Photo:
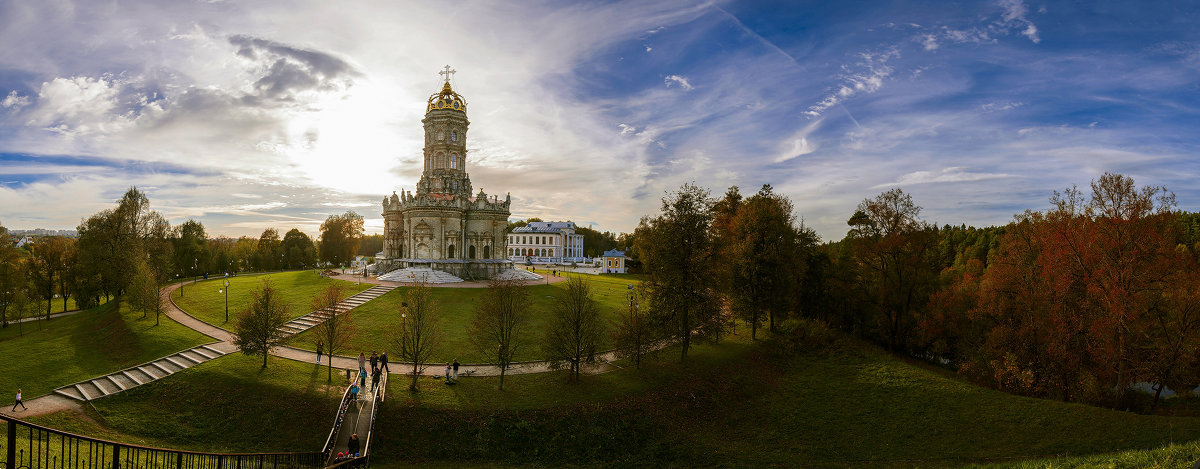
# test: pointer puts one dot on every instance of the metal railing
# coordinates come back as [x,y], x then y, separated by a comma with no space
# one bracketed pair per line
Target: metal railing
[337,422]
[29,446]
[379,396]
[364,460]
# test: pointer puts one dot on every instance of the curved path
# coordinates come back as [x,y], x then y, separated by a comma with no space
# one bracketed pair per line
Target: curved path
[351,363]
[57,401]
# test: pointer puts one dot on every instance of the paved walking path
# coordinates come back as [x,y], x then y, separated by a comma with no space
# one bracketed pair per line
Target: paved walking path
[72,395]
[159,368]
[547,278]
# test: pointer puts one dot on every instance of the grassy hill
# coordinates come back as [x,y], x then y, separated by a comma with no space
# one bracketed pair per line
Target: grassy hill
[206,299]
[39,357]
[734,404]
[377,322]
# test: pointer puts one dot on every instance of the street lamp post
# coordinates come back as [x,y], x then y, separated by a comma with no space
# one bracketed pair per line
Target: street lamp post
[180,275]
[225,283]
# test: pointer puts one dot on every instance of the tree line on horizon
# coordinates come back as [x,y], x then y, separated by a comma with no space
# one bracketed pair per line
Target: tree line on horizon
[130,252]
[1081,302]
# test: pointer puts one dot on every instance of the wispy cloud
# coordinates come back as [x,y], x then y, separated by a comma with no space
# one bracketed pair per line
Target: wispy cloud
[271,114]
[951,174]
[863,77]
[682,81]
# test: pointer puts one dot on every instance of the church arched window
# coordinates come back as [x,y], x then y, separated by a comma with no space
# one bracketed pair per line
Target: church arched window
[451,252]
[471,252]
[454,161]
[440,161]
[487,252]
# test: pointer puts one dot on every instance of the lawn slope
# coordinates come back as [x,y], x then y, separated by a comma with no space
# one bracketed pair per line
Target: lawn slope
[737,403]
[377,322]
[39,357]
[230,404]
[206,299]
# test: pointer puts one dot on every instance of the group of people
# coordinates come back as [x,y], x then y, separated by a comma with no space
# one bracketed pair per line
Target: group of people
[379,366]
[352,448]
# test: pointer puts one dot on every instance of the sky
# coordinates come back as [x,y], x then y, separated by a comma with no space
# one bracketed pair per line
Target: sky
[259,114]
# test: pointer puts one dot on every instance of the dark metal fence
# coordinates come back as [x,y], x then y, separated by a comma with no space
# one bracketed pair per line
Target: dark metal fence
[28,446]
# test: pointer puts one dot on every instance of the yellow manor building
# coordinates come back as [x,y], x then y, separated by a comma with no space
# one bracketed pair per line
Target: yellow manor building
[441,225]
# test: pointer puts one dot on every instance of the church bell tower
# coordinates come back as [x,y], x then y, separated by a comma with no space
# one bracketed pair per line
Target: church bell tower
[445,170]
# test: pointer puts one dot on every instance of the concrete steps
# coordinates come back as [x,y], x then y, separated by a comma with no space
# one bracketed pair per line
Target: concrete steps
[517,274]
[311,320]
[426,275]
[129,378]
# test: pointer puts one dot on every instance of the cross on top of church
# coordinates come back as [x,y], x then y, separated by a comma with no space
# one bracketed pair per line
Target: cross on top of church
[447,72]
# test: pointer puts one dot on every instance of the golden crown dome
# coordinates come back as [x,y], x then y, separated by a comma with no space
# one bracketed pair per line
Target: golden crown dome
[446,99]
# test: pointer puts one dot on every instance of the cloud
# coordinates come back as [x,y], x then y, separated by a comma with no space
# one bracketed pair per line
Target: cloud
[1015,15]
[77,105]
[799,143]
[14,101]
[865,76]
[288,72]
[1001,106]
[928,41]
[627,129]
[679,80]
[951,174]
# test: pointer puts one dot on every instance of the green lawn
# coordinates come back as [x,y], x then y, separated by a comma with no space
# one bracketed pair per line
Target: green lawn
[230,404]
[1171,456]
[85,345]
[736,403]
[56,305]
[376,321]
[205,300]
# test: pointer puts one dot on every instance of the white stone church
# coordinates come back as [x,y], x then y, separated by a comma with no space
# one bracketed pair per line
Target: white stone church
[442,225]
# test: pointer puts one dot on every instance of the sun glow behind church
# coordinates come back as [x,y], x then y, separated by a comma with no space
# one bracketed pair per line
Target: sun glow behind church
[588,111]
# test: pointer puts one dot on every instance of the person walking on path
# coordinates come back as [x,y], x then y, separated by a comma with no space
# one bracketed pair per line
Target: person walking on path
[352,445]
[375,378]
[383,362]
[362,378]
[362,361]
[320,348]
[374,361]
[447,373]
[354,392]
[455,369]
[22,404]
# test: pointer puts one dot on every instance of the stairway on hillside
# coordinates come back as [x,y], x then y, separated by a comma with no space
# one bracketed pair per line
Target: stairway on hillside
[96,388]
[517,274]
[419,274]
[311,320]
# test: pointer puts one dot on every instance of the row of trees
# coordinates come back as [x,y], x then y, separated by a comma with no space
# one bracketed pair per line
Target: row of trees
[1078,302]
[499,330]
[130,251]
[711,261]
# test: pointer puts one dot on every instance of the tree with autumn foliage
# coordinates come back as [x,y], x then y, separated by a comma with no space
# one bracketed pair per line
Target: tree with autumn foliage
[893,250]
[333,333]
[677,250]
[1079,302]
[760,248]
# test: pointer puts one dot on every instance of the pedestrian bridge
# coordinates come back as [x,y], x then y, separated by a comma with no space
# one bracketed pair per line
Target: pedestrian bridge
[356,415]
[25,445]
